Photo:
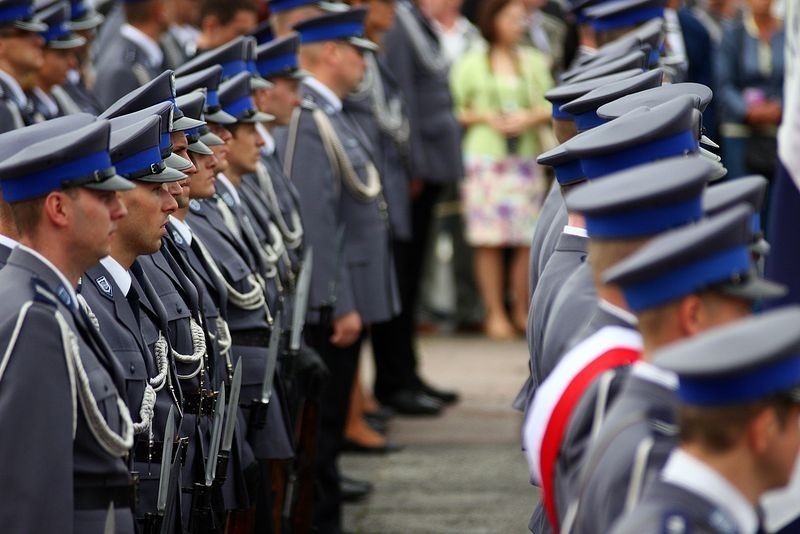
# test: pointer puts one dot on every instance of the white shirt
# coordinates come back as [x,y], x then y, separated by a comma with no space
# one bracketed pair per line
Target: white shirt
[324,91]
[151,49]
[652,373]
[7,241]
[230,187]
[47,100]
[575,230]
[458,39]
[686,471]
[269,141]
[120,275]
[70,289]
[616,311]
[182,228]
[19,95]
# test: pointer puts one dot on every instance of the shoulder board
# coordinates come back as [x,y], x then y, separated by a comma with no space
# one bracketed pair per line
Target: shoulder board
[675,522]
[308,104]
[41,293]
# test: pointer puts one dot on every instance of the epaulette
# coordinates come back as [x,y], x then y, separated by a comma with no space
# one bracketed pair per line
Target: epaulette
[41,293]
[308,104]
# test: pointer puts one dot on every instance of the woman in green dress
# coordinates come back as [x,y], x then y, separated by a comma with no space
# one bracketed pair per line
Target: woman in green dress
[499,96]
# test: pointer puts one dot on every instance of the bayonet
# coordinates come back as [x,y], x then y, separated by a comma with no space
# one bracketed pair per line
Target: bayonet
[110,526]
[233,406]
[216,437]
[166,461]
[301,301]
[272,360]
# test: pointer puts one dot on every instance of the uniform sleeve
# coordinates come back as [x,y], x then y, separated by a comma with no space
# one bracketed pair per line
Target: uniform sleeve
[36,425]
[112,84]
[726,68]
[319,206]
[7,122]
[399,59]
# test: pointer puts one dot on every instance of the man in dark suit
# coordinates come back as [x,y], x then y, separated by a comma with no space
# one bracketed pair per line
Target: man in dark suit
[67,456]
[133,57]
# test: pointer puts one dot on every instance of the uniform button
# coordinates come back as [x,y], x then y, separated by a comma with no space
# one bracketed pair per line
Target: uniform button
[133,368]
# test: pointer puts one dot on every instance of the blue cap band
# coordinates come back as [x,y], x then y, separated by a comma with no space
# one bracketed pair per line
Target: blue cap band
[756,224]
[43,182]
[655,57]
[330,33]
[276,65]
[649,221]
[212,98]
[77,10]
[251,67]
[277,7]
[17,12]
[165,143]
[569,173]
[139,162]
[749,386]
[54,31]
[239,107]
[588,120]
[232,68]
[687,279]
[675,145]
[558,114]
[627,18]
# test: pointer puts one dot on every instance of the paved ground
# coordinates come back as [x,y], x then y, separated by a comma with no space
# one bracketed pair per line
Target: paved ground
[459,473]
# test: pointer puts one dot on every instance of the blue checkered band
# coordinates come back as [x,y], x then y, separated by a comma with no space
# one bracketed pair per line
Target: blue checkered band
[740,388]
[687,279]
[674,145]
[627,18]
[588,120]
[276,65]
[40,183]
[331,33]
[139,162]
[649,221]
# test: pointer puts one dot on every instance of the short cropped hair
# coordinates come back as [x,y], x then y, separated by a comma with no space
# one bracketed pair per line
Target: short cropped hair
[226,10]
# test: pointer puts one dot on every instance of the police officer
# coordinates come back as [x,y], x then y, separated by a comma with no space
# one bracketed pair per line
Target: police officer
[68,460]
[58,58]
[84,21]
[737,404]
[20,58]
[345,222]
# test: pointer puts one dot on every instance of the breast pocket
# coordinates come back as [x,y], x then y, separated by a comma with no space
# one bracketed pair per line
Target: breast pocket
[235,269]
[106,396]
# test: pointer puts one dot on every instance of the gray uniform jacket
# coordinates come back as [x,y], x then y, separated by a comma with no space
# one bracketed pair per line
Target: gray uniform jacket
[360,268]
[552,205]
[435,132]
[121,67]
[392,157]
[571,310]
[55,466]
[249,328]
[633,445]
[83,97]
[5,252]
[669,508]
[13,114]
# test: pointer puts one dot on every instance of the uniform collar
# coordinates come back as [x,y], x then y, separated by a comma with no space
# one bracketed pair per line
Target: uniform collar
[18,94]
[151,49]
[8,242]
[574,230]
[229,187]
[47,100]
[686,471]
[325,92]
[618,312]
[120,275]
[182,228]
[269,141]
[651,373]
[70,289]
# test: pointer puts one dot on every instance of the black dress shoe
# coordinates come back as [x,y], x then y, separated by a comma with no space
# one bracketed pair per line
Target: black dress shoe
[414,402]
[445,395]
[383,413]
[386,448]
[354,490]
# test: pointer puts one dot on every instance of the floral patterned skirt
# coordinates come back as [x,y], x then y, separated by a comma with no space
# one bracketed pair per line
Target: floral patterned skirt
[501,200]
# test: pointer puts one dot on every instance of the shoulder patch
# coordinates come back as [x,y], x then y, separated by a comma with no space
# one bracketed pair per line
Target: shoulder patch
[104,285]
[194,205]
[228,199]
[42,294]
[176,236]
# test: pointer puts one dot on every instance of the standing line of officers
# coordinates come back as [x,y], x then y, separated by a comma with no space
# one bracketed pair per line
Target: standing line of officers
[662,396]
[189,269]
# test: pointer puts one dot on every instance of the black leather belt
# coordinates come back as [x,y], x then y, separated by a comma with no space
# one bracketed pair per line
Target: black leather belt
[96,493]
[200,403]
[152,455]
[253,337]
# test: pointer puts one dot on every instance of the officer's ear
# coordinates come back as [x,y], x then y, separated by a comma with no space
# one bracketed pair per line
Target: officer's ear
[690,315]
[59,206]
